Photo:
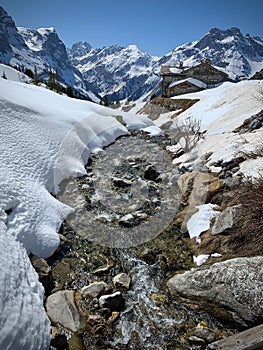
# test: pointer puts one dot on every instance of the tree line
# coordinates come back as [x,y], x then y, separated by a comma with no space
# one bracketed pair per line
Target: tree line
[53,82]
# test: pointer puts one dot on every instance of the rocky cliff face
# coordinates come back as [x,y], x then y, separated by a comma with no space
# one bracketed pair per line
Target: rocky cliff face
[12,45]
[46,45]
[40,48]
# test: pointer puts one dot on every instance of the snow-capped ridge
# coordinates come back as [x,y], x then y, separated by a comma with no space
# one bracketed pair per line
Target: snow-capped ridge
[40,49]
[46,31]
[124,72]
[129,72]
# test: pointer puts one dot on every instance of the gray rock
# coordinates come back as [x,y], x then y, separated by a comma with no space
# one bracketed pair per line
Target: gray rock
[255,124]
[93,290]
[61,308]
[121,183]
[114,301]
[227,219]
[122,280]
[204,333]
[44,273]
[234,287]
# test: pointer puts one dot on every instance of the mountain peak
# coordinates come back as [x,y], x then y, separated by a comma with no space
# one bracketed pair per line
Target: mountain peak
[84,45]
[46,31]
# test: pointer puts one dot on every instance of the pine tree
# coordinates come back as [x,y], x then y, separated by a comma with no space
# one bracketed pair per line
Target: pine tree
[106,101]
[69,91]
[29,73]
[53,81]
[3,75]
[36,79]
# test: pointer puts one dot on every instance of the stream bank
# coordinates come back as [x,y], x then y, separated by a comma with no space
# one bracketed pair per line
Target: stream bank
[140,186]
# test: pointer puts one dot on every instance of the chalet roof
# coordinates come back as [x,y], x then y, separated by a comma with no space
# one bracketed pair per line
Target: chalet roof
[209,66]
[191,81]
[172,70]
[167,70]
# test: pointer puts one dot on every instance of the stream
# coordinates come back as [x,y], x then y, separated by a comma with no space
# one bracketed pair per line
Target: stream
[123,222]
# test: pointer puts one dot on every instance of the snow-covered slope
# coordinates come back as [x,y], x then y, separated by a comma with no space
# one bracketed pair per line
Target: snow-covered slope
[220,111]
[45,137]
[12,74]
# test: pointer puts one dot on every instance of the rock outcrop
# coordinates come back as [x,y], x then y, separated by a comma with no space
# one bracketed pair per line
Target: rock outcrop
[234,286]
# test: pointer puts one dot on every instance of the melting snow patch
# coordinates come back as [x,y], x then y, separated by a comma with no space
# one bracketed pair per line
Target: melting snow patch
[200,221]
[202,258]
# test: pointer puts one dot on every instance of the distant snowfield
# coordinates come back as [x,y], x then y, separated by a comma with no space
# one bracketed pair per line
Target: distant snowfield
[45,137]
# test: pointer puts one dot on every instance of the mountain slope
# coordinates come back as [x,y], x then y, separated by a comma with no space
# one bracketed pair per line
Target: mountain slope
[115,71]
[229,50]
[122,72]
[40,48]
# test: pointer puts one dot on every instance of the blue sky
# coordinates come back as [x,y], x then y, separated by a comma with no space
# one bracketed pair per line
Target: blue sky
[156,27]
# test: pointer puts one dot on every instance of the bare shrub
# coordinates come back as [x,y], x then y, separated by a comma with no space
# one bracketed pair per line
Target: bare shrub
[188,133]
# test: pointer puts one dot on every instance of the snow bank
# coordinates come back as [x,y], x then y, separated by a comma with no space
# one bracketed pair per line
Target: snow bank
[24,324]
[45,137]
[225,107]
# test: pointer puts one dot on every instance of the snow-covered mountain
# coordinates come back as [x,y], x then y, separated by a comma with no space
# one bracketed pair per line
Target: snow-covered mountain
[40,48]
[118,72]
[121,72]
[229,50]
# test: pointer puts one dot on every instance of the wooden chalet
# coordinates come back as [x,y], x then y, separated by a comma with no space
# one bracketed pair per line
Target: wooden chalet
[181,80]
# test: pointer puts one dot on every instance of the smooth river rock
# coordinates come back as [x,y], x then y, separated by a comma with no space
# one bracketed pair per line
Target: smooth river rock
[234,286]
[61,308]
[122,280]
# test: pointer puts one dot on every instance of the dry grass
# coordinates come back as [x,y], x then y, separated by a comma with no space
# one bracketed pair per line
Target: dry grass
[247,238]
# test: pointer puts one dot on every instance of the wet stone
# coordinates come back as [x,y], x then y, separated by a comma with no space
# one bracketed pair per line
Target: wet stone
[151,173]
[114,302]
[61,308]
[122,280]
[93,290]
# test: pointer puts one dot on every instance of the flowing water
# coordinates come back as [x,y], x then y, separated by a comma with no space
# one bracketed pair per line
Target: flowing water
[123,222]
[146,322]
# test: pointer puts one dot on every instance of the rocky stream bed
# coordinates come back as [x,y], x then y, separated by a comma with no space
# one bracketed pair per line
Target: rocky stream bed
[106,285]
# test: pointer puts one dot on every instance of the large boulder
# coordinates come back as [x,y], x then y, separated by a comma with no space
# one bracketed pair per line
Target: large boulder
[232,289]
[198,188]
